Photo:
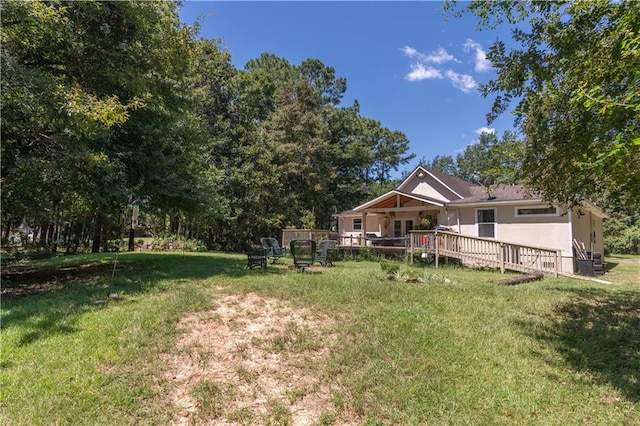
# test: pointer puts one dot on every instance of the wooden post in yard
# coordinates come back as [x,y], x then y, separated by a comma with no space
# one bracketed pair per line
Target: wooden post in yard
[501,257]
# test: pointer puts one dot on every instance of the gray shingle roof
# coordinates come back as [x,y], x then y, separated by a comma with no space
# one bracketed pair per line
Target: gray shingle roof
[479,194]
[460,186]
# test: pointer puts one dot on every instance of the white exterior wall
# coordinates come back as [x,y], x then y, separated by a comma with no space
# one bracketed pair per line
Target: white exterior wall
[587,228]
[542,231]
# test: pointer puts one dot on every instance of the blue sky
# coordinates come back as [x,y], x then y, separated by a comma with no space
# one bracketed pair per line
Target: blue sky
[409,67]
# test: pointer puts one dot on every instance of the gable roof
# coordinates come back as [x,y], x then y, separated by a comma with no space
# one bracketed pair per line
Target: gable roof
[459,187]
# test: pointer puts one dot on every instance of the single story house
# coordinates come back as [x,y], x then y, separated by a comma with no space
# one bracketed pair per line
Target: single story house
[506,213]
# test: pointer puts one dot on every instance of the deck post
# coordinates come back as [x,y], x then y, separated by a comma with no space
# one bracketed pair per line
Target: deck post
[411,250]
[446,247]
[437,255]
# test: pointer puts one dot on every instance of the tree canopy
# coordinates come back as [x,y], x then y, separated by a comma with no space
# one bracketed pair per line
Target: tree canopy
[490,161]
[573,70]
[96,112]
[107,105]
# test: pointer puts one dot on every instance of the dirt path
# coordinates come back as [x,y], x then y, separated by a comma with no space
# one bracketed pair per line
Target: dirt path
[252,360]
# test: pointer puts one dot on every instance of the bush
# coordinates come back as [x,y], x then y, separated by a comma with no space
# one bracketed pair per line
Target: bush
[367,253]
[428,259]
[625,242]
[170,242]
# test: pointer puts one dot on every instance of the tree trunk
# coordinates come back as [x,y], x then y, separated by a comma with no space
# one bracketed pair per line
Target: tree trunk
[522,279]
[132,235]
[97,234]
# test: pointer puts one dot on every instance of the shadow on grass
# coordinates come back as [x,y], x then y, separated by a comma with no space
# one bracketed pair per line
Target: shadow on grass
[49,301]
[597,332]
[610,265]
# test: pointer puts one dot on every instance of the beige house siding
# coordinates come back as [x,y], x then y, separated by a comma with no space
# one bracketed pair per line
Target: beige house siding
[373,225]
[431,189]
[545,231]
[428,186]
[587,227]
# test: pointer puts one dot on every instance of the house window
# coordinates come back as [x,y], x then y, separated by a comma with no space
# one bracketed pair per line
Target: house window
[486,222]
[537,211]
[397,228]
[357,224]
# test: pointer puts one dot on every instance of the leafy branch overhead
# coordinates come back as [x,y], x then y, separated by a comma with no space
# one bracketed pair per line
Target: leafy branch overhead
[572,69]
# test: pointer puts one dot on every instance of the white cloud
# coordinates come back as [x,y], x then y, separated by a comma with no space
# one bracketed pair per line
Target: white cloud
[409,51]
[421,72]
[482,130]
[429,66]
[439,56]
[482,63]
[464,82]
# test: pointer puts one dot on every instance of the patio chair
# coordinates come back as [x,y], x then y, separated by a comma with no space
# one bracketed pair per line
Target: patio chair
[325,251]
[274,251]
[303,252]
[256,257]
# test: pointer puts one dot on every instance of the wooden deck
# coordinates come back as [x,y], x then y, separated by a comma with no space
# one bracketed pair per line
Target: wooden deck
[484,252]
[470,251]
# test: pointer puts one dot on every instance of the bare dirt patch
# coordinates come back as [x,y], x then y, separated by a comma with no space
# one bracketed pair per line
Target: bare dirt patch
[252,360]
[19,282]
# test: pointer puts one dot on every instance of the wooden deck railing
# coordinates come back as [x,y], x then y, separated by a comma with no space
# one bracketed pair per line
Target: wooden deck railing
[484,252]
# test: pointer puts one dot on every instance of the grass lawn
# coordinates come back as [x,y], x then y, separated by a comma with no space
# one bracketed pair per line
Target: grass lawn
[90,346]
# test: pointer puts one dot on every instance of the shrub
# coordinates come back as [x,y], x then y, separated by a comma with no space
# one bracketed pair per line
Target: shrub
[168,242]
[625,242]
[367,253]
[423,259]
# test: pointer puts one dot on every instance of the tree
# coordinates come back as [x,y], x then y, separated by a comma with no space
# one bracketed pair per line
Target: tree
[442,163]
[574,72]
[494,160]
[491,159]
[109,104]
[291,155]
[97,111]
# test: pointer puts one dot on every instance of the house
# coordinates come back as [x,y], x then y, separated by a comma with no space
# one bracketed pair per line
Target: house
[506,213]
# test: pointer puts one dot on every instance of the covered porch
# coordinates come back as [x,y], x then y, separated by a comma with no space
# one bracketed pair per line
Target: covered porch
[388,220]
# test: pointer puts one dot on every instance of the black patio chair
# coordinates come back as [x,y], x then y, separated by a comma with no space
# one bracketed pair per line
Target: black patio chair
[256,257]
[303,252]
[274,251]
[325,252]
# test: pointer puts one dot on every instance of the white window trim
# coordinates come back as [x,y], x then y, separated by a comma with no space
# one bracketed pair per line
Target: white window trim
[556,214]
[495,224]
[354,224]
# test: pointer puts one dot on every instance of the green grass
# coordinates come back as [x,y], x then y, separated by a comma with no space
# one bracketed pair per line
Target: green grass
[457,349]
[622,268]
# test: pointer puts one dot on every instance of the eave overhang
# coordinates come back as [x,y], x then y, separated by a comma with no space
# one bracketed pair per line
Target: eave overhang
[393,200]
